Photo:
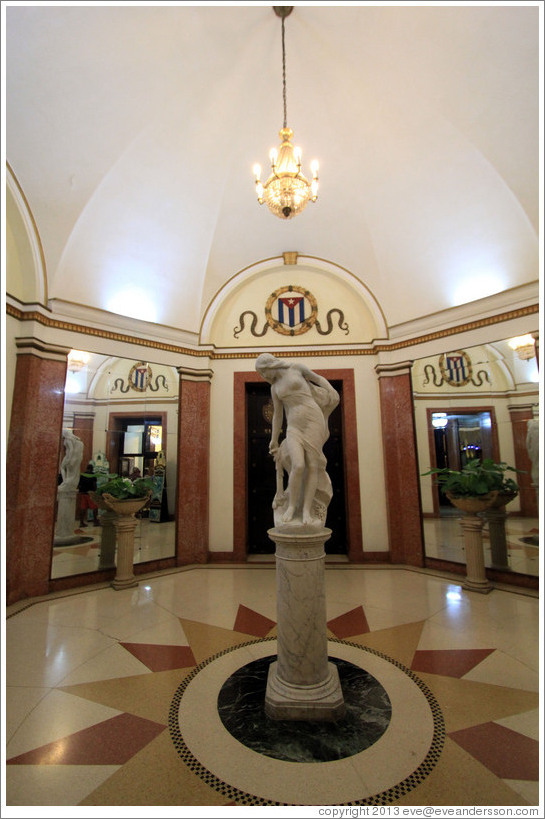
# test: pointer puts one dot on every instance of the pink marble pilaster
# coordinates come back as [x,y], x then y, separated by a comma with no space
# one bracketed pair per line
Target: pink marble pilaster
[32,462]
[401,464]
[192,492]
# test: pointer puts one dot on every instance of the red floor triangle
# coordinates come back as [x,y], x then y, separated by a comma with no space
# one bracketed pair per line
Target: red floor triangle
[506,753]
[249,621]
[160,657]
[449,662]
[111,742]
[349,624]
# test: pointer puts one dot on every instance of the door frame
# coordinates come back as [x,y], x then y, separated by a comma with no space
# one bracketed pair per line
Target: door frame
[351,463]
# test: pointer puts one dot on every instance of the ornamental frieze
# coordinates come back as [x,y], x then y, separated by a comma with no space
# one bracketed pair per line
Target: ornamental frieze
[291,311]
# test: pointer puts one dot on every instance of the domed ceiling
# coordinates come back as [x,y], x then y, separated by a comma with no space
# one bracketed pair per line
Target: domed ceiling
[132,131]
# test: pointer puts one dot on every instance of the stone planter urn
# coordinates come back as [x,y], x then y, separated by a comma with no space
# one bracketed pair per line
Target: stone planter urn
[125,524]
[472,525]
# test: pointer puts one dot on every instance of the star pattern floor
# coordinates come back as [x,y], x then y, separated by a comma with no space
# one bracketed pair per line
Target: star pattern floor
[91,678]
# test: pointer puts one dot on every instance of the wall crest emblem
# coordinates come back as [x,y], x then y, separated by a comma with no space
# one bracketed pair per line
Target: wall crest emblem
[139,379]
[290,311]
[456,370]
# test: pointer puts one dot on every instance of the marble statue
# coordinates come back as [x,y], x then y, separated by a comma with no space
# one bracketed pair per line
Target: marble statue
[68,490]
[71,463]
[307,400]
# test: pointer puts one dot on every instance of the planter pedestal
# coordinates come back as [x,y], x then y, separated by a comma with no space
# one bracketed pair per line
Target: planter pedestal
[472,526]
[476,579]
[125,524]
[124,576]
[302,683]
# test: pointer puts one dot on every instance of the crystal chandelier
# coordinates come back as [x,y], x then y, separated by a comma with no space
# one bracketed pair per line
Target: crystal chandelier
[523,346]
[286,191]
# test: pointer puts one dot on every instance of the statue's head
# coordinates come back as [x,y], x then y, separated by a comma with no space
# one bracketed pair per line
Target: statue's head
[267,365]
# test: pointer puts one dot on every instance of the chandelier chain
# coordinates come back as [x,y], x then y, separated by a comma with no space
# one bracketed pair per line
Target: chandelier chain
[284,76]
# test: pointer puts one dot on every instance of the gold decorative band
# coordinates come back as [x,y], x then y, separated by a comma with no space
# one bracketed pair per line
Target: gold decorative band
[372,349]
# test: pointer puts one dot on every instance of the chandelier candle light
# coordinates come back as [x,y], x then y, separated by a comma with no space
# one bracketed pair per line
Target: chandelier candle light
[286,191]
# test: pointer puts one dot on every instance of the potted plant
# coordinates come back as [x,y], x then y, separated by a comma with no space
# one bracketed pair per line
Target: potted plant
[124,496]
[478,485]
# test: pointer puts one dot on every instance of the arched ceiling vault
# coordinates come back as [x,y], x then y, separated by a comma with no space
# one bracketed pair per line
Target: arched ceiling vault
[132,132]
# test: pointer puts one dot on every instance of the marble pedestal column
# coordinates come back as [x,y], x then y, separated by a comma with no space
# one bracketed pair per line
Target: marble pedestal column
[302,684]
[66,516]
[124,576]
[476,579]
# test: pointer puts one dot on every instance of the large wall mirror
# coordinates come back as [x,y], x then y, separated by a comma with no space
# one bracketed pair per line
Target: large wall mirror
[480,402]
[122,416]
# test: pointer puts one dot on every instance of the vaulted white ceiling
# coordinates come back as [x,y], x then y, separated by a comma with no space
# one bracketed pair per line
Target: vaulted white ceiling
[132,132]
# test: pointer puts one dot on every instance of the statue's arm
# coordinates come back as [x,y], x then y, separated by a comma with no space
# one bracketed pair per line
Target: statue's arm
[278,412]
[310,375]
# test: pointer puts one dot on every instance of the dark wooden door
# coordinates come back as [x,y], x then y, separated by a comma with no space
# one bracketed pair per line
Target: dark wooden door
[262,474]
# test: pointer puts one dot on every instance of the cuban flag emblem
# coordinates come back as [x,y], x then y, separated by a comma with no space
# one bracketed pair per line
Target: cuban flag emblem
[139,376]
[291,310]
[456,368]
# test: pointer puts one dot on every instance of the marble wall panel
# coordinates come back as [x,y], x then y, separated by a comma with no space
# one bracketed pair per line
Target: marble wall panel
[193,471]
[401,466]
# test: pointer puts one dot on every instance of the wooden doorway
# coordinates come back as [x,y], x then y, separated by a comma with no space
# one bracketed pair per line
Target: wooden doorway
[261,476]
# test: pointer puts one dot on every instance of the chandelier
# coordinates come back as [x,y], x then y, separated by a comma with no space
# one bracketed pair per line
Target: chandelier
[77,360]
[286,191]
[523,346]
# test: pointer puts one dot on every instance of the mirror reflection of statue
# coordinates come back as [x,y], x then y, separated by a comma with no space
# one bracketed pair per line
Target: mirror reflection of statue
[307,400]
[70,465]
[532,445]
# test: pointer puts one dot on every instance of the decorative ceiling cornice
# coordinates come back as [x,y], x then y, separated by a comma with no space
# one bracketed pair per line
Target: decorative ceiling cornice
[372,349]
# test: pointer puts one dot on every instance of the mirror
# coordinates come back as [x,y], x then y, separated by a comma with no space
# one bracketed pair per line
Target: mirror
[476,403]
[120,417]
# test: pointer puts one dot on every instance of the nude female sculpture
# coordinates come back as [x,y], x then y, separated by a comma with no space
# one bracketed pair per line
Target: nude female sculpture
[307,399]
[70,466]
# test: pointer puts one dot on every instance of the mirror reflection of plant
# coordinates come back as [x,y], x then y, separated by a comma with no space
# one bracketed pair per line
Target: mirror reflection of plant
[475,478]
[123,488]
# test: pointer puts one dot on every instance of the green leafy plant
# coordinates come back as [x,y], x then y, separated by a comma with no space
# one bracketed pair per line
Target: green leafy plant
[123,488]
[475,478]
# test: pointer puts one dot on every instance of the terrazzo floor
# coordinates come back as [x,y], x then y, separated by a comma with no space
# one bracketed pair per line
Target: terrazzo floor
[133,697]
